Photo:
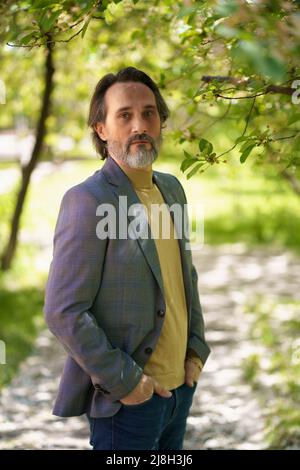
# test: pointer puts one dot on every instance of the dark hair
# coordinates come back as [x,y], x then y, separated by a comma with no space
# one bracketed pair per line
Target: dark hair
[97,112]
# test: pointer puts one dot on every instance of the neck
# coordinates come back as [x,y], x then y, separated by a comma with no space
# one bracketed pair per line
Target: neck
[141,178]
[127,167]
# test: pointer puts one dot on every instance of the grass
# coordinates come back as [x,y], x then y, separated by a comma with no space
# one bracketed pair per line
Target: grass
[21,301]
[19,324]
[243,204]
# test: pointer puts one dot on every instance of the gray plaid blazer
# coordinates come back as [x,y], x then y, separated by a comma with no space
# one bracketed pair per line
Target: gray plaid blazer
[104,298]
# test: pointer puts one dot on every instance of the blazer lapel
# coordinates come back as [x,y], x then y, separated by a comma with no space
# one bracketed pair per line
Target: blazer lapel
[121,186]
[170,196]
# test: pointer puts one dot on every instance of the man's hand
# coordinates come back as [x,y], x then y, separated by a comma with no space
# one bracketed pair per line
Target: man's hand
[192,372]
[144,391]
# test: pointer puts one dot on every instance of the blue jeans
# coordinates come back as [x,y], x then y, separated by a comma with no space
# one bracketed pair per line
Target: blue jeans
[157,424]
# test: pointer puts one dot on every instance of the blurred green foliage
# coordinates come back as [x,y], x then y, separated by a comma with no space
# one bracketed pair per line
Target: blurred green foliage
[20,321]
[213,55]
[253,46]
[274,369]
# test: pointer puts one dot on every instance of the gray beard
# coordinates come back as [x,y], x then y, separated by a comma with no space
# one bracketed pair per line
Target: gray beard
[140,159]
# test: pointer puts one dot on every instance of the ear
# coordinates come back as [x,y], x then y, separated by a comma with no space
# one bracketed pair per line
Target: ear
[100,129]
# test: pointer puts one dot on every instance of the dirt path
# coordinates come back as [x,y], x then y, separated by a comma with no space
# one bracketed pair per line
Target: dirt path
[225,413]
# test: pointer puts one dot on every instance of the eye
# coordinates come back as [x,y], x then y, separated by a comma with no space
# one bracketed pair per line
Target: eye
[149,112]
[124,115]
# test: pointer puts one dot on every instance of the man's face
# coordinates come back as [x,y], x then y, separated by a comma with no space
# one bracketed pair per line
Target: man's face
[132,116]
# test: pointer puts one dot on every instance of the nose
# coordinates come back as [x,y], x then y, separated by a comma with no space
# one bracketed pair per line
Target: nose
[139,126]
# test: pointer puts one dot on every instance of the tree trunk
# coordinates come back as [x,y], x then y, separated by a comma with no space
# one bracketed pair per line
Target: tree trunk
[11,246]
[293,181]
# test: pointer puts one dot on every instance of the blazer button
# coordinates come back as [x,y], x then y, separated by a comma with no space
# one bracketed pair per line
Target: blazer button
[148,350]
[160,313]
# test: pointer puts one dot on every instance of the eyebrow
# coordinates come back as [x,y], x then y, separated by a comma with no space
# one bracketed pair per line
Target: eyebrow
[126,108]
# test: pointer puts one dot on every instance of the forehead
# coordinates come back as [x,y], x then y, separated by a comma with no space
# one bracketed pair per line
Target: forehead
[128,94]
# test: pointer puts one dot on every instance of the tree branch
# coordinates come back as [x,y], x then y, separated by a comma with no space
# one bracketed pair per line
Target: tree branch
[244,131]
[283,90]
[46,43]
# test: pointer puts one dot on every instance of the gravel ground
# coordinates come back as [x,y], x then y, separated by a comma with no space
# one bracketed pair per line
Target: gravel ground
[225,413]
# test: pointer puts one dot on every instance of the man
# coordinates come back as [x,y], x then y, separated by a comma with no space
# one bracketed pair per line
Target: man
[126,307]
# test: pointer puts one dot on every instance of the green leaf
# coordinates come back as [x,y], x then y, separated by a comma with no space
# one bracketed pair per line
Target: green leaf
[226,31]
[189,160]
[85,26]
[25,39]
[48,21]
[241,139]
[187,163]
[37,4]
[227,8]
[86,8]
[194,170]
[294,118]
[273,68]
[137,34]
[246,145]
[246,153]
[109,18]
[260,60]
[205,146]
[185,11]
[187,155]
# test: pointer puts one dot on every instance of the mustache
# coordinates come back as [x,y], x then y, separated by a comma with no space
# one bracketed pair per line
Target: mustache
[141,138]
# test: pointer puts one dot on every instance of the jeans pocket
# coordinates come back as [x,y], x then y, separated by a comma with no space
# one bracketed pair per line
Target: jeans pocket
[193,388]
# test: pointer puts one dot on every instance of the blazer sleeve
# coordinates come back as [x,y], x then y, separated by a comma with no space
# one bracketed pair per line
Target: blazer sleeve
[196,339]
[74,279]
